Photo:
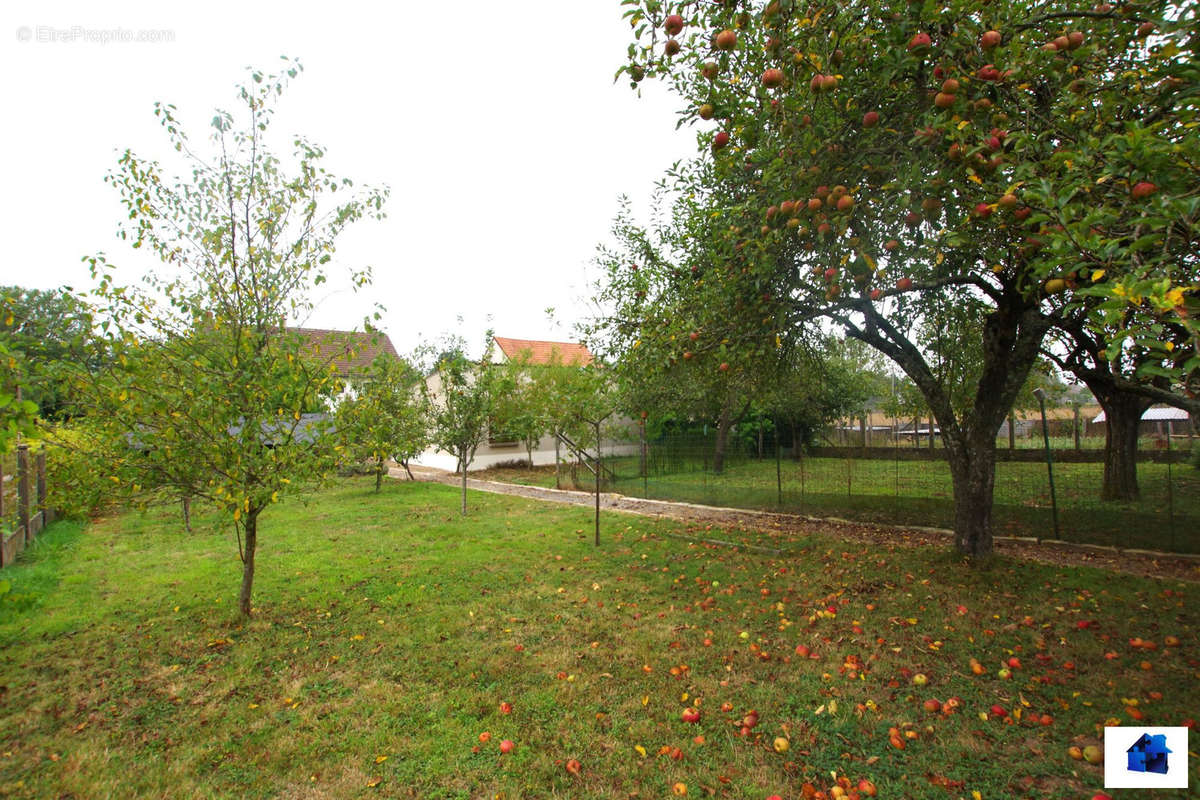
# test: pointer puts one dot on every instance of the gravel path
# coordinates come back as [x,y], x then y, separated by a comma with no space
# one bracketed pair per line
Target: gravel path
[1160,565]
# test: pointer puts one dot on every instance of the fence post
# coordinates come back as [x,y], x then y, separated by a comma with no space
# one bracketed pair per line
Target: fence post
[23,492]
[778,470]
[1170,494]
[645,464]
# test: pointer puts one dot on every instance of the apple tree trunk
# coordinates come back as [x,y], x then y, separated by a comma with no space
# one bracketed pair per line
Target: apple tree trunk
[724,423]
[462,460]
[1123,415]
[973,471]
[250,545]
[379,470]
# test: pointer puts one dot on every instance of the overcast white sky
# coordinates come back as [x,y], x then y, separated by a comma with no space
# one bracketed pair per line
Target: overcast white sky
[497,126]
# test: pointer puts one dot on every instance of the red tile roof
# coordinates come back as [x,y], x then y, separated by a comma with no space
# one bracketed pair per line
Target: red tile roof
[350,351]
[541,353]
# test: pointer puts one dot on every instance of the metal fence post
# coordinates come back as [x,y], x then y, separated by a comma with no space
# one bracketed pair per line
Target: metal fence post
[1041,396]
[1170,493]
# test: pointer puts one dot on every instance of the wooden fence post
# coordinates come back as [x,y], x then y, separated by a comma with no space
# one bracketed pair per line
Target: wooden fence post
[23,493]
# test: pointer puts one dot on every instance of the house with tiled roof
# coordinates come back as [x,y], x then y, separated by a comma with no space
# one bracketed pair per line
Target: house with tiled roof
[539,353]
[351,352]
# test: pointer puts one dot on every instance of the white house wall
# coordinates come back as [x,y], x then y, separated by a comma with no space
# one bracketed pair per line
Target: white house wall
[491,455]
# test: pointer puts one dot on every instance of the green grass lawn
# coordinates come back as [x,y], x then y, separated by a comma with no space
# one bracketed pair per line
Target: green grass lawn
[388,633]
[921,493]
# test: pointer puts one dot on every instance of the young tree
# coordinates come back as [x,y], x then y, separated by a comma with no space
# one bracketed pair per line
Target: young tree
[388,416]
[901,155]
[206,390]
[48,330]
[17,415]
[460,397]
[520,409]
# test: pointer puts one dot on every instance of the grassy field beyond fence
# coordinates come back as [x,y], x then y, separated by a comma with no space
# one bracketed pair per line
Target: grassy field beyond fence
[912,492]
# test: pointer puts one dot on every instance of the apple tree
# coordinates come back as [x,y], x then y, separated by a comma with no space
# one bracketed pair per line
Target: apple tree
[461,393]
[206,391]
[387,417]
[901,157]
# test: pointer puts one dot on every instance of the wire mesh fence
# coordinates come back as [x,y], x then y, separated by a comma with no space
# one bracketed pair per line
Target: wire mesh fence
[905,485]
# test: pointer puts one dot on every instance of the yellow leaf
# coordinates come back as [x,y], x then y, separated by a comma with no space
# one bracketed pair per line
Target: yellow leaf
[371,784]
[646,700]
[1097,275]
[641,750]
[940,258]
[380,759]
[964,124]
[974,179]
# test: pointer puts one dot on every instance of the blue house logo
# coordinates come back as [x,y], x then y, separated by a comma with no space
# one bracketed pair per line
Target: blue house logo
[1149,754]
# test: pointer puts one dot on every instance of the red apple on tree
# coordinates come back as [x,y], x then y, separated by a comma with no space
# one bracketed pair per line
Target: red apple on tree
[920,43]
[673,25]
[870,119]
[772,77]
[720,140]
[709,70]
[904,284]
[671,47]
[990,40]
[1142,189]
[726,40]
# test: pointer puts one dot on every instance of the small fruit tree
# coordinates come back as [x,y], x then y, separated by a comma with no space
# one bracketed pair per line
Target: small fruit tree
[905,156]
[387,416]
[461,394]
[206,394]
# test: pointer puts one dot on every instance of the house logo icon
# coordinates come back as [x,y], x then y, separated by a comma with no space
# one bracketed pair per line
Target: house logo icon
[1146,758]
[1149,754]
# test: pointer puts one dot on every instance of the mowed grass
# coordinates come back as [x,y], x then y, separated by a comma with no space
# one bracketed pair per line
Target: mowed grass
[921,493]
[388,631]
